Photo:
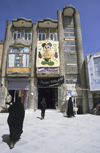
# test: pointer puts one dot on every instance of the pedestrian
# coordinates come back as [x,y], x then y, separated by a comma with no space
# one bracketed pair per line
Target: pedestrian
[70,111]
[8,99]
[43,108]
[15,120]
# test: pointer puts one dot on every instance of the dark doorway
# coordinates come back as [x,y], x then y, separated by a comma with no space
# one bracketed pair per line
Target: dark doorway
[24,96]
[50,95]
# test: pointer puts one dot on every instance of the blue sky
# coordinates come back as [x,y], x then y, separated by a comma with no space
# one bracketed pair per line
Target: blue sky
[41,9]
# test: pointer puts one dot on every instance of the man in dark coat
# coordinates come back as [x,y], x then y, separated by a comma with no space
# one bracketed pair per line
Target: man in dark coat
[70,111]
[15,120]
[43,107]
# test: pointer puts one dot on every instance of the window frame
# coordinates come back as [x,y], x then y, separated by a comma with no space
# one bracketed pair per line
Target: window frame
[17,33]
[69,45]
[28,33]
[71,79]
[54,34]
[39,33]
[95,67]
[69,32]
[10,53]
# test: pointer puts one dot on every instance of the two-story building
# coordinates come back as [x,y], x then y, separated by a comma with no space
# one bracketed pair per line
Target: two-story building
[92,63]
[45,59]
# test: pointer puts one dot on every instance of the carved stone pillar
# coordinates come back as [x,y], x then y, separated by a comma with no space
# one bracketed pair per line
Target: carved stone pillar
[33,66]
[61,53]
[80,57]
[8,38]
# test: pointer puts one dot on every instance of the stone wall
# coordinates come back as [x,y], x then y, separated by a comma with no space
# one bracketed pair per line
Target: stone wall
[71,69]
[70,57]
[71,63]
[68,21]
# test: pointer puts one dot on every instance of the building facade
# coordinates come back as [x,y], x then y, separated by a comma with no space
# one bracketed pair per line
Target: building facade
[92,63]
[45,59]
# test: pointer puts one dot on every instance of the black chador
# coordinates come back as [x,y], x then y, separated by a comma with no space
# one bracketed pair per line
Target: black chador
[70,111]
[15,120]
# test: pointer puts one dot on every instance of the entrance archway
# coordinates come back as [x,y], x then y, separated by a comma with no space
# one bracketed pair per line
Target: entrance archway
[50,95]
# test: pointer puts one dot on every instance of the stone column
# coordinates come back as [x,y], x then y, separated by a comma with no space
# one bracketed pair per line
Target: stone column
[80,57]
[33,66]
[61,53]
[8,38]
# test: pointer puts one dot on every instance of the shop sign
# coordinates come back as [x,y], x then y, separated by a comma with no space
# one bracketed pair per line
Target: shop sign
[47,69]
[50,82]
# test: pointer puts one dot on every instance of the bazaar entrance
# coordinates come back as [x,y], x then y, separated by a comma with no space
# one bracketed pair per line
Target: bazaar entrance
[50,95]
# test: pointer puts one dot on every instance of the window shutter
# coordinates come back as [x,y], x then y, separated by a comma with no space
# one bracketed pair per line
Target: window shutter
[18,84]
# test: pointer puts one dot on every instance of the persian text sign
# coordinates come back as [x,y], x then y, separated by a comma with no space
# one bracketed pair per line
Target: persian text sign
[47,69]
[47,53]
[50,82]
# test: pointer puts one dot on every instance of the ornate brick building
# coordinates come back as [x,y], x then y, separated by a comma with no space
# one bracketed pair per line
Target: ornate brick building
[45,59]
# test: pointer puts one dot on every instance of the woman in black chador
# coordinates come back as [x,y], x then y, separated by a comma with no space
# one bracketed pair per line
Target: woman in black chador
[70,111]
[15,120]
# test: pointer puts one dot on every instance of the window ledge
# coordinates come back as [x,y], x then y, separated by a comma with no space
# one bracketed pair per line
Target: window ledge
[20,41]
[72,64]
[49,74]
[20,74]
[17,69]
[69,38]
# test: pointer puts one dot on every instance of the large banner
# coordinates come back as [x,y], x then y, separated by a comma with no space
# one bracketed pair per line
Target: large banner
[47,54]
[50,82]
